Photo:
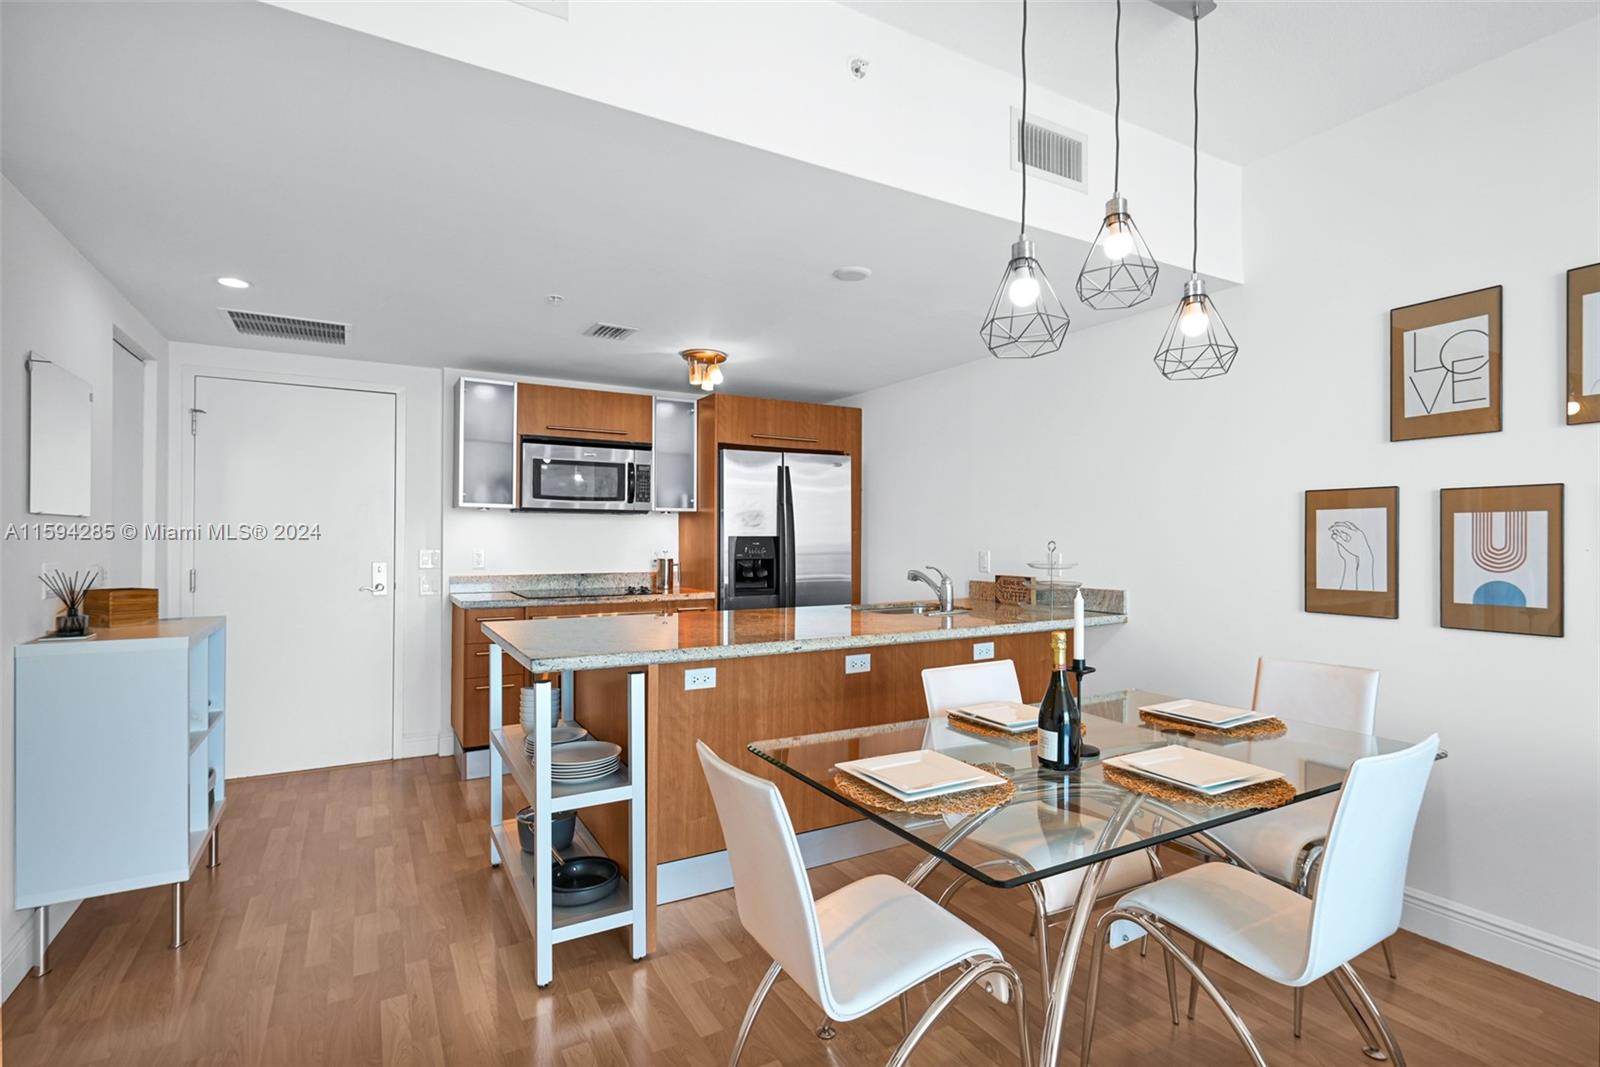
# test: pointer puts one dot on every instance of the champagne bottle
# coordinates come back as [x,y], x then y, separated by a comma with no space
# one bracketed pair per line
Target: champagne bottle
[1060,725]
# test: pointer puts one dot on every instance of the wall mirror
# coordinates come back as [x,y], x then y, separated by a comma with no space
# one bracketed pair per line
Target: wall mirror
[59,427]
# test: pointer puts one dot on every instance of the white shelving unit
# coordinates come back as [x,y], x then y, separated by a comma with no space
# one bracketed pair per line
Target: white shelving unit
[116,740]
[529,873]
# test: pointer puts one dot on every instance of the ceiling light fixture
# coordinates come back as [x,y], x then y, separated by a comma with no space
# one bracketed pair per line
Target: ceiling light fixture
[705,366]
[1026,319]
[1119,271]
[233,283]
[1197,343]
[853,274]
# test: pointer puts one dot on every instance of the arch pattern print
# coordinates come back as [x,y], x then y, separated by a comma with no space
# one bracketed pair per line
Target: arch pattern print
[1501,565]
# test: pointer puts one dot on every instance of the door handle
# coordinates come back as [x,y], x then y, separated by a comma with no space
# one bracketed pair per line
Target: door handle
[585,429]
[783,437]
[380,580]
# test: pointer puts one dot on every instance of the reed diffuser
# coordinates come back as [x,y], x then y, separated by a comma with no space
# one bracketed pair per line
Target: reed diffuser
[70,591]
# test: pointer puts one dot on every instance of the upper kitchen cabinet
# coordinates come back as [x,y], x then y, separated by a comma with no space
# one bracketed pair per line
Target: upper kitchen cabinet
[583,414]
[786,424]
[673,455]
[486,443]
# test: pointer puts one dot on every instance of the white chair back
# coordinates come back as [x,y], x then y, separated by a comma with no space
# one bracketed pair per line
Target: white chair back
[770,886]
[1345,698]
[1359,893]
[970,683]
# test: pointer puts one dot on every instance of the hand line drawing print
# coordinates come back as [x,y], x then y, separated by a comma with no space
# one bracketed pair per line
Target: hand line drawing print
[1510,551]
[1356,553]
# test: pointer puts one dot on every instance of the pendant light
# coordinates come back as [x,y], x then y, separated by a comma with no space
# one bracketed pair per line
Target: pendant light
[705,366]
[1197,343]
[1119,271]
[1025,319]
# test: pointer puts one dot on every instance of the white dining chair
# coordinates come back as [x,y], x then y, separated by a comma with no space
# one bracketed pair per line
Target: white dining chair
[1285,844]
[1280,934]
[857,948]
[1015,834]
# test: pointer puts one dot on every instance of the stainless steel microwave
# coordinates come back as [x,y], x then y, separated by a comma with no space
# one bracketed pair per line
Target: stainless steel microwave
[577,477]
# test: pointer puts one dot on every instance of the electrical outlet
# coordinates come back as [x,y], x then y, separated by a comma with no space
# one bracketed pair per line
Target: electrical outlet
[478,560]
[860,663]
[985,562]
[46,568]
[983,650]
[700,678]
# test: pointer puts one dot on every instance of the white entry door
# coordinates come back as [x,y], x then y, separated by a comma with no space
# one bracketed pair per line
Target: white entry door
[310,643]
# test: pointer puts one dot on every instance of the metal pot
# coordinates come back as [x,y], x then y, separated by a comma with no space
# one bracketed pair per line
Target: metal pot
[562,828]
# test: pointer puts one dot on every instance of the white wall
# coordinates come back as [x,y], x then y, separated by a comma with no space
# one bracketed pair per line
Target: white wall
[676,61]
[1190,494]
[420,620]
[53,302]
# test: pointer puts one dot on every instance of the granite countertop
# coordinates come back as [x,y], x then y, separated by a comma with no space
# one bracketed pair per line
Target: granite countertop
[596,642]
[554,590]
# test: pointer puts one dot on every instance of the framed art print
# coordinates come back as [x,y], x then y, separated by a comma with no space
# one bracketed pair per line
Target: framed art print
[1500,562]
[1444,366]
[1583,344]
[1353,552]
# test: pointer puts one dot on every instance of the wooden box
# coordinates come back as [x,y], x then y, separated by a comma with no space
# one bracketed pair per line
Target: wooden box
[121,607]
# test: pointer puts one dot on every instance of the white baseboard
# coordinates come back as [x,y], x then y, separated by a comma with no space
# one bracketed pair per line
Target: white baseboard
[418,744]
[16,959]
[1562,963]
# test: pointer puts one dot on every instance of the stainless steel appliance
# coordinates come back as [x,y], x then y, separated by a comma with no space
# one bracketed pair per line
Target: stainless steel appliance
[577,477]
[784,528]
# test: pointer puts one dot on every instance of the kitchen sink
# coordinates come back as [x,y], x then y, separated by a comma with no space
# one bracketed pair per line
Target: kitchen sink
[931,610]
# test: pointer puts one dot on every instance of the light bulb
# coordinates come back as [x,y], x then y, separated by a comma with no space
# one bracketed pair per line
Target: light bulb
[716,375]
[1023,291]
[1117,242]
[1193,320]
[707,384]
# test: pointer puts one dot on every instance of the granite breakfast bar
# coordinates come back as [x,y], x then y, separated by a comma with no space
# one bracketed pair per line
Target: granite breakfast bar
[655,684]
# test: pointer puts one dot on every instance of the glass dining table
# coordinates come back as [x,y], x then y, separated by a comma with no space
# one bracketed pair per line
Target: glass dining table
[1079,820]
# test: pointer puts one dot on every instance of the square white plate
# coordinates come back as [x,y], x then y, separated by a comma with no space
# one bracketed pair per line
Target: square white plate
[1219,716]
[919,774]
[1001,714]
[1203,772]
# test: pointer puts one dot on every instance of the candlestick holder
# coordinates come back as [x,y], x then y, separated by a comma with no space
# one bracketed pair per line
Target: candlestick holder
[1080,668]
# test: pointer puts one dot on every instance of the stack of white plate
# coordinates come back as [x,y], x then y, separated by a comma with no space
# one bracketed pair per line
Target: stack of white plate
[562,733]
[584,761]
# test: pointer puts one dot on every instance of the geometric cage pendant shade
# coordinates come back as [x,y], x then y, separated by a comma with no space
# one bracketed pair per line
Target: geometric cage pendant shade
[1197,344]
[1026,319]
[1119,271]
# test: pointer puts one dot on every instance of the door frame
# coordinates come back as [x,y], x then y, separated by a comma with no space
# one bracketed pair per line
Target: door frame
[181,553]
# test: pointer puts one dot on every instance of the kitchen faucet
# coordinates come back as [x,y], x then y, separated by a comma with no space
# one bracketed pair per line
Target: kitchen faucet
[944,586]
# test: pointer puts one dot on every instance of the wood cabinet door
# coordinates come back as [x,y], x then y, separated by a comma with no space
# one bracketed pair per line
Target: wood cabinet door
[583,414]
[776,424]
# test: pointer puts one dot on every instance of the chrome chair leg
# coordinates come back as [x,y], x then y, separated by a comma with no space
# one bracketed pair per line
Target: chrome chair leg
[1199,962]
[1153,929]
[1172,985]
[1390,1045]
[903,1051]
[750,1013]
[1299,1007]
[1388,958]
[825,1030]
[905,1015]
[1369,1040]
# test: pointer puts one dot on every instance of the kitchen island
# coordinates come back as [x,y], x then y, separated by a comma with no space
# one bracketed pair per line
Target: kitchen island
[733,677]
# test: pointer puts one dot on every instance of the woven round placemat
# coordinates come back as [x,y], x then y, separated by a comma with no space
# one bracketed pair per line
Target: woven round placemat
[1273,794]
[1250,731]
[967,803]
[978,729]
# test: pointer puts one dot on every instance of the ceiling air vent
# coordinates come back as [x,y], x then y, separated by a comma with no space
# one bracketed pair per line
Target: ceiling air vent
[610,331]
[284,328]
[1055,153]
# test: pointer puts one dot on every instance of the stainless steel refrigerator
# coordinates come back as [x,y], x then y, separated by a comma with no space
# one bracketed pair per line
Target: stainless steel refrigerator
[784,529]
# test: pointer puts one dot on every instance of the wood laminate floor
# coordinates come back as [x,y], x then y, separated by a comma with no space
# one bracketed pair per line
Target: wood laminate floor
[354,920]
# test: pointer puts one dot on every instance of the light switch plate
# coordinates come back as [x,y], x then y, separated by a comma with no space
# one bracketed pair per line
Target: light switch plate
[44,590]
[478,562]
[859,663]
[428,559]
[985,562]
[427,586]
[983,650]
[700,678]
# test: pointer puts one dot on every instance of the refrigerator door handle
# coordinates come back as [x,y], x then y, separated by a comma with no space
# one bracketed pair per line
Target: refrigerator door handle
[786,519]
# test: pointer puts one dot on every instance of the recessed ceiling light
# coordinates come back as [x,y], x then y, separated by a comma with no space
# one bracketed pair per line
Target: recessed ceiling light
[853,274]
[234,283]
